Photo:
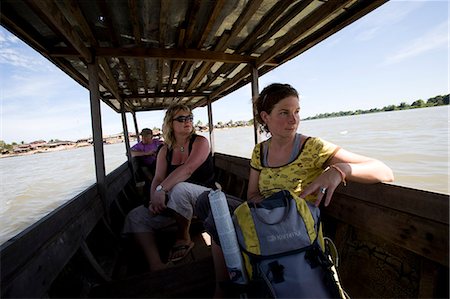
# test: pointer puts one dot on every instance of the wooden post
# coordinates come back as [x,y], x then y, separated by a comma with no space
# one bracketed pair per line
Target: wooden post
[211,127]
[126,136]
[255,93]
[97,133]
[138,137]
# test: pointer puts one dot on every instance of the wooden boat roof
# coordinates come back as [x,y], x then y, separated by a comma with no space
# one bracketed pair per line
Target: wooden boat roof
[153,53]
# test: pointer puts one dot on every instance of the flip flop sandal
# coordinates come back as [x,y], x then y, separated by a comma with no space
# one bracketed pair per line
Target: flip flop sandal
[184,247]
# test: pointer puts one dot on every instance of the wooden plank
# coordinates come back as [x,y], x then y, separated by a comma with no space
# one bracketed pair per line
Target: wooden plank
[177,282]
[425,237]
[56,17]
[422,203]
[428,279]
[86,252]
[34,278]
[97,126]
[15,252]
[235,165]
[255,95]
[168,54]
[18,252]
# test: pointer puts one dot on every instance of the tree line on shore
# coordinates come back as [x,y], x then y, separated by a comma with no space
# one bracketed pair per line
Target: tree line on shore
[431,102]
[439,100]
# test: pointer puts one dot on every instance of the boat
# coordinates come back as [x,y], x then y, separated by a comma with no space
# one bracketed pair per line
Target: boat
[140,56]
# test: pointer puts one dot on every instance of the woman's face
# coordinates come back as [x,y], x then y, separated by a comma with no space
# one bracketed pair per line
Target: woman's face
[182,122]
[284,119]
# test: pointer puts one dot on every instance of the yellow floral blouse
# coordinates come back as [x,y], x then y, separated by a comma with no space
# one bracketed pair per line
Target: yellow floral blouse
[297,174]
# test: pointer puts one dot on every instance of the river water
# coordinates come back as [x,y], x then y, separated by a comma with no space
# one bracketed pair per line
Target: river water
[414,143]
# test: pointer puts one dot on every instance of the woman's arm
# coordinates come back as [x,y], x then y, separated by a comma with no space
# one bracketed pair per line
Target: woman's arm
[360,168]
[158,199]
[351,167]
[140,154]
[253,193]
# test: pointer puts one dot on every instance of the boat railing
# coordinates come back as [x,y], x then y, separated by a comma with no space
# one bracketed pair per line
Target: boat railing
[32,260]
[394,238]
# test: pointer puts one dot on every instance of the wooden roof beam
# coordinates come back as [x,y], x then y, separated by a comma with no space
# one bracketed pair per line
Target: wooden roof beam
[203,69]
[244,17]
[191,20]
[212,19]
[175,65]
[245,72]
[160,95]
[126,71]
[295,33]
[105,74]
[168,54]
[263,26]
[248,11]
[357,11]
[163,16]
[206,66]
[26,33]
[138,39]
[56,17]
[254,42]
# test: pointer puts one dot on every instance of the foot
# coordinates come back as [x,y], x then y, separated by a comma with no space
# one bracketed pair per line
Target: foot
[180,250]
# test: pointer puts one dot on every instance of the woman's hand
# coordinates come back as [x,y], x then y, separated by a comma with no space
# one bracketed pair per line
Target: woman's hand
[323,186]
[257,198]
[158,203]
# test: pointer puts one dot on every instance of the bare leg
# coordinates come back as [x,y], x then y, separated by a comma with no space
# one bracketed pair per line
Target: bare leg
[220,269]
[183,237]
[148,244]
[183,228]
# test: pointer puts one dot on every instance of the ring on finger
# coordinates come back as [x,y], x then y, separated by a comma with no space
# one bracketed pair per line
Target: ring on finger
[323,190]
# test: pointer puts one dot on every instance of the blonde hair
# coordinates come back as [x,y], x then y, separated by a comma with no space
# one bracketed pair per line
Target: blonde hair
[167,128]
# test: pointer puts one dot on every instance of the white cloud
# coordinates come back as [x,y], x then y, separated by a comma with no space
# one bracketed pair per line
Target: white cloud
[436,38]
[13,52]
[384,17]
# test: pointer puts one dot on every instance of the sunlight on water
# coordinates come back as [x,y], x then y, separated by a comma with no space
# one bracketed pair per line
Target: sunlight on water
[413,143]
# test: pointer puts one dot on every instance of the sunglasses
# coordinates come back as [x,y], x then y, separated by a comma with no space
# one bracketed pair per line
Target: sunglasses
[183,119]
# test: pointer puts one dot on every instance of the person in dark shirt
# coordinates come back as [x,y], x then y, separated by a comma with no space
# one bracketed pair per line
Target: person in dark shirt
[184,170]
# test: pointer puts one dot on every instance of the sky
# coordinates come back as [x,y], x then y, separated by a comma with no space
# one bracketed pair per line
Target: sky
[398,53]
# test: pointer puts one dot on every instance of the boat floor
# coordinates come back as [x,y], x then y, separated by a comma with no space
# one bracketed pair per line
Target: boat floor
[192,277]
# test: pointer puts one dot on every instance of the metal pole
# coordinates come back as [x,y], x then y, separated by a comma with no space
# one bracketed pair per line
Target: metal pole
[211,127]
[255,94]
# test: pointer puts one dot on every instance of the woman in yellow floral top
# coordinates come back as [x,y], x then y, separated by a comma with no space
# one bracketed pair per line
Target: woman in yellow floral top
[309,167]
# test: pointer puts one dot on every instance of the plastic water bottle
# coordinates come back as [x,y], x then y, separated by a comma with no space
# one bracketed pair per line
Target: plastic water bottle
[227,236]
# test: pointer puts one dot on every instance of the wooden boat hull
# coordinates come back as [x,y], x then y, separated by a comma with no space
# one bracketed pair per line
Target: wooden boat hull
[392,241]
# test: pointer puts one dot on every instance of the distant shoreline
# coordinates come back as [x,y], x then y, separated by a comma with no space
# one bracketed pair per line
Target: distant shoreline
[46,150]
[441,100]
[320,116]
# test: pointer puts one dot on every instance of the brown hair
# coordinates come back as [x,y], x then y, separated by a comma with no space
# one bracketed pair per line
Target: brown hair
[269,97]
[167,128]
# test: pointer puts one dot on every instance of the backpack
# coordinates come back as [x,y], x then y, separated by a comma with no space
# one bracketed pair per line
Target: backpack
[283,249]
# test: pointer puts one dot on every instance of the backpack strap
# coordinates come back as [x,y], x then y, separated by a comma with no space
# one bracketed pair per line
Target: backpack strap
[305,213]
[245,219]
